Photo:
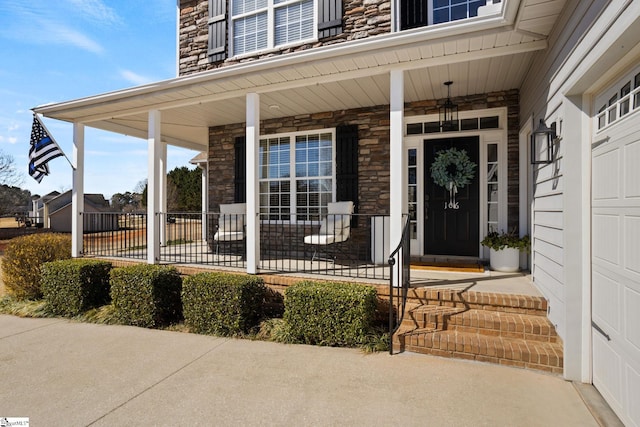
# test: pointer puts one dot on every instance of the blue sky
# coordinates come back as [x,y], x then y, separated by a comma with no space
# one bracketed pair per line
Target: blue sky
[60,50]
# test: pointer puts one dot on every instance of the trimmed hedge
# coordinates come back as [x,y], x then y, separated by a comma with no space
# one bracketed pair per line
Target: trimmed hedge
[222,304]
[72,286]
[23,258]
[335,314]
[146,295]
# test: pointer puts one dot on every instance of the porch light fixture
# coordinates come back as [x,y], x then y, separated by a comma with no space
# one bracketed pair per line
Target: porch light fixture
[542,140]
[448,112]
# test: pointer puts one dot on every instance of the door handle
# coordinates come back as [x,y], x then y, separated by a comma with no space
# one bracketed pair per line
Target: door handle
[599,329]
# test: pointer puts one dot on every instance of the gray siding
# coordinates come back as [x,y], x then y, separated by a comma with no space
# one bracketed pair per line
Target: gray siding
[542,97]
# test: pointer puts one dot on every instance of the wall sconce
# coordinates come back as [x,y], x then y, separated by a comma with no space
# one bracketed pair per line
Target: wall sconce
[542,140]
[448,112]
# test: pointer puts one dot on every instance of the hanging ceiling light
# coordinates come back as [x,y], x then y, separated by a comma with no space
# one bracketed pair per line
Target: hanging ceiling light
[448,112]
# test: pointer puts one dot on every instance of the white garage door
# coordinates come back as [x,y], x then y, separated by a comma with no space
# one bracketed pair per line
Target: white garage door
[616,267]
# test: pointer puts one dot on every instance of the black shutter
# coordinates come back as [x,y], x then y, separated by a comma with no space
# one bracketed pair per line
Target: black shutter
[217,30]
[413,14]
[347,165]
[329,18]
[240,171]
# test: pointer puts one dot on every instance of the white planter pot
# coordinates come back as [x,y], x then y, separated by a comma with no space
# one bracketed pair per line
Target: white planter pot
[507,260]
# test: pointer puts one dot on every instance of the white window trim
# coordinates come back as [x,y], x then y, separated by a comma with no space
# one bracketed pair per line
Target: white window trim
[271,6]
[489,10]
[292,168]
[604,96]
[487,136]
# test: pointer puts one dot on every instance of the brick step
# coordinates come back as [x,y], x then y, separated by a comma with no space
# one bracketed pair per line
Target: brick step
[531,354]
[433,317]
[494,323]
[507,303]
[506,325]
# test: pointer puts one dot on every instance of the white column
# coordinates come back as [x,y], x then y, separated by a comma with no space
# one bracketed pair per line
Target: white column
[77,192]
[45,215]
[34,210]
[153,187]
[397,185]
[253,196]
[162,179]
[205,198]
[577,242]
[525,188]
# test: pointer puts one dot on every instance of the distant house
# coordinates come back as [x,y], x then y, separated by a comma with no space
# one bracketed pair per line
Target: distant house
[38,212]
[56,211]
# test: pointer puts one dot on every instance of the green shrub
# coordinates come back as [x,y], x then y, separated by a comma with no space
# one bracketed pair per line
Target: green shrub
[222,304]
[146,295]
[72,286]
[23,258]
[329,313]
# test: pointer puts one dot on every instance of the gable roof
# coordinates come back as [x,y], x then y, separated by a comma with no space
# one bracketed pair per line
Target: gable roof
[96,201]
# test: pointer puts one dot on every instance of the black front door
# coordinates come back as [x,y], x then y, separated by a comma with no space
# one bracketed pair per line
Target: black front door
[452,223]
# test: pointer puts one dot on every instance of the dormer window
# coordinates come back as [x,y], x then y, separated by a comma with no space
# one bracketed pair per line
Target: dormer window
[265,24]
[420,13]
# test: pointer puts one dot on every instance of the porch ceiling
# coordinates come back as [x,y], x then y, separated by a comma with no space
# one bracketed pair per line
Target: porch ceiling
[486,55]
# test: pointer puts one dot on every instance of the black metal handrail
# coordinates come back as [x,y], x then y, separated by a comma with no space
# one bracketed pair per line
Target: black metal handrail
[398,294]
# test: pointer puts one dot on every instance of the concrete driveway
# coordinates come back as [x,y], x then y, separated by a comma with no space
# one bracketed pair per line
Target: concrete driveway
[62,373]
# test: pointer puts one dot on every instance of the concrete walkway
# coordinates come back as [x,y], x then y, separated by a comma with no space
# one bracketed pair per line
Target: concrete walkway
[58,372]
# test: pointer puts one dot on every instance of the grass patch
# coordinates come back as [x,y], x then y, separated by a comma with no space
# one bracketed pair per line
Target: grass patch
[178,242]
[104,315]
[376,340]
[24,308]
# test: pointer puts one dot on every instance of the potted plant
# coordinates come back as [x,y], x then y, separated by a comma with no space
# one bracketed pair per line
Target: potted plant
[504,254]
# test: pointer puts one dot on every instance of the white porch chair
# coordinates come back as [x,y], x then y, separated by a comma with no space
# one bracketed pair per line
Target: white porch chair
[335,227]
[231,224]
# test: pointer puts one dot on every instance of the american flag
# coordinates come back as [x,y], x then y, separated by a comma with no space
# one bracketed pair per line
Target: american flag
[43,148]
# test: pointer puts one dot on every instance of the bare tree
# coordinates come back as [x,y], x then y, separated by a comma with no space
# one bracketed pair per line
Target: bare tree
[8,173]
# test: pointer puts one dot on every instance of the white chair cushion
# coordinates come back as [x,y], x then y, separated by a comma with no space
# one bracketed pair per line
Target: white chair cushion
[320,239]
[228,236]
[233,208]
[231,223]
[340,208]
[331,224]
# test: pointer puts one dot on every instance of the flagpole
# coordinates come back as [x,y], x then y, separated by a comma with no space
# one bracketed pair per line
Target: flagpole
[53,139]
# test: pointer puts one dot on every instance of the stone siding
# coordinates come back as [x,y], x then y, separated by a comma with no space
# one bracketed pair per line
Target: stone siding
[373,148]
[362,19]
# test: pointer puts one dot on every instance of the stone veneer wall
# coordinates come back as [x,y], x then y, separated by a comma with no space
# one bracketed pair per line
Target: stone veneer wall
[373,146]
[362,19]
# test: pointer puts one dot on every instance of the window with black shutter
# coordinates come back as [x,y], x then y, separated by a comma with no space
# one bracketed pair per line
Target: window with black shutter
[240,170]
[217,30]
[413,14]
[329,18]
[347,164]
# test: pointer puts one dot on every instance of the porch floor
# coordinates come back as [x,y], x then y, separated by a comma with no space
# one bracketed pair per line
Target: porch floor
[487,282]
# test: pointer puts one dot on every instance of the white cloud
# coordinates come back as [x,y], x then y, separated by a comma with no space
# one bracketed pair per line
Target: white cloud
[96,11]
[9,139]
[61,34]
[44,25]
[135,78]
